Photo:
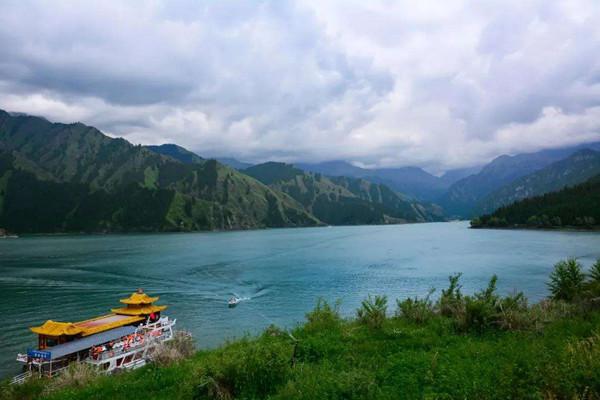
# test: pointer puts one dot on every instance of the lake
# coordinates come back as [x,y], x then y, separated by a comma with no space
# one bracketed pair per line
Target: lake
[280,273]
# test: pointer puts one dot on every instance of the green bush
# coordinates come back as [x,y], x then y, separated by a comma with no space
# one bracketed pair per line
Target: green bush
[595,272]
[373,311]
[513,313]
[31,389]
[450,303]
[181,347]
[476,223]
[566,280]
[592,286]
[315,340]
[75,375]
[247,369]
[323,316]
[416,310]
[481,309]
[584,360]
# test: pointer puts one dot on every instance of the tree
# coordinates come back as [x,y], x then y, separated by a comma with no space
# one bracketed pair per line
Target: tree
[566,281]
[556,221]
[533,220]
[595,272]
[373,311]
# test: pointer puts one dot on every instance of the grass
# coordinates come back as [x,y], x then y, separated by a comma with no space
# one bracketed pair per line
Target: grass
[483,346]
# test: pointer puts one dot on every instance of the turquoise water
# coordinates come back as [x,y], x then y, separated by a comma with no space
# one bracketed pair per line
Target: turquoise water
[280,273]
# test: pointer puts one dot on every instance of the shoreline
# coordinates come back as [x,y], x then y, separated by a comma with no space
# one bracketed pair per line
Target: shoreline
[141,232]
[529,228]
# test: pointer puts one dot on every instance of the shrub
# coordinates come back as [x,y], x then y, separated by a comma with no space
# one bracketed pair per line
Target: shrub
[31,389]
[246,369]
[373,311]
[592,286]
[584,361]
[595,272]
[566,281]
[416,310]
[181,347]
[451,301]
[481,309]
[513,312]
[323,316]
[476,222]
[548,311]
[76,374]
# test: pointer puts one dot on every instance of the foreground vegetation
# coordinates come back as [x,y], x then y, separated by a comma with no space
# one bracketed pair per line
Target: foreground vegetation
[480,346]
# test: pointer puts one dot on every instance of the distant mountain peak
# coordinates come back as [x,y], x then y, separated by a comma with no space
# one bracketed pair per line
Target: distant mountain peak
[177,152]
[234,163]
[464,195]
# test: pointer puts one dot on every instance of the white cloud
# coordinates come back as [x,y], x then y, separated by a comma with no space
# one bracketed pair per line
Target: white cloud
[434,84]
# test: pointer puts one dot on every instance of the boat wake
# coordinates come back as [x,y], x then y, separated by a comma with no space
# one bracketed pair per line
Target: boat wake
[241,298]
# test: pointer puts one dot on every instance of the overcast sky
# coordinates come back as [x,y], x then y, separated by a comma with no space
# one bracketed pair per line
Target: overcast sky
[439,84]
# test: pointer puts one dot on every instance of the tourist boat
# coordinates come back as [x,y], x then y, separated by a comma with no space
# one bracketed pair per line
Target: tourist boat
[234,301]
[123,339]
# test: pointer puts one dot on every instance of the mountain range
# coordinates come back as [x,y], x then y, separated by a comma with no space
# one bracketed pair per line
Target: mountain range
[81,167]
[463,193]
[463,198]
[71,177]
[342,200]
[411,181]
[577,168]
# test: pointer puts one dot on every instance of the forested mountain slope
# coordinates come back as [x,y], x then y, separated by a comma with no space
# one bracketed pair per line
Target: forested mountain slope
[570,171]
[412,181]
[463,196]
[577,206]
[342,200]
[205,195]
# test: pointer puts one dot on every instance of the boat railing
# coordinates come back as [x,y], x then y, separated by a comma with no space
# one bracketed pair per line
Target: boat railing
[19,379]
[163,323]
[149,341]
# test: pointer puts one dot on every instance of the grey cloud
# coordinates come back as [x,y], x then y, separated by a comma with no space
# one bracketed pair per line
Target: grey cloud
[382,83]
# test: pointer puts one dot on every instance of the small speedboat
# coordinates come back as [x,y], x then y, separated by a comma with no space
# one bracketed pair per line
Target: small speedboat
[234,301]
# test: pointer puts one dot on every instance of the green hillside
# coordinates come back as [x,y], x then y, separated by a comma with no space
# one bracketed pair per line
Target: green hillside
[342,200]
[577,206]
[570,171]
[50,158]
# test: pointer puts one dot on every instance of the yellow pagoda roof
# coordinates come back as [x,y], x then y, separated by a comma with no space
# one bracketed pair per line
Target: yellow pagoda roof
[139,297]
[106,322]
[87,327]
[143,310]
[53,328]
[139,304]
